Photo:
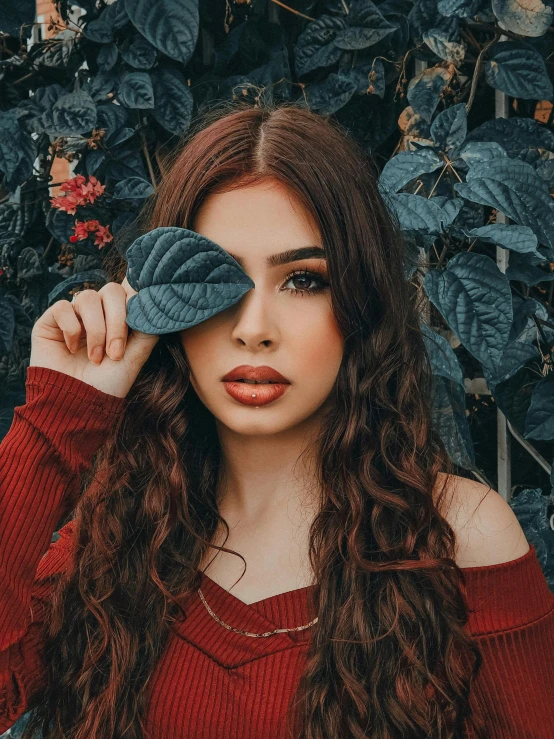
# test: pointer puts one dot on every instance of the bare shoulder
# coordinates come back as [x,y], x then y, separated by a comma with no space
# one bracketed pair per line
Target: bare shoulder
[486,528]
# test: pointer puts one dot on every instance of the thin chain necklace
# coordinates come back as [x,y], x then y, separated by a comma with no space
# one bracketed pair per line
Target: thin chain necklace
[248,633]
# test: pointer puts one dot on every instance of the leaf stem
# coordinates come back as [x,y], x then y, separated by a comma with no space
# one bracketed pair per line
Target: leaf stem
[478,63]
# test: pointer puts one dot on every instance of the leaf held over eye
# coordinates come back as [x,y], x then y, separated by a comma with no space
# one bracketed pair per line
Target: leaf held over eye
[182,278]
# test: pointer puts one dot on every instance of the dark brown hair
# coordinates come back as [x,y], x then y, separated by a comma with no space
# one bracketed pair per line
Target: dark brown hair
[389,656]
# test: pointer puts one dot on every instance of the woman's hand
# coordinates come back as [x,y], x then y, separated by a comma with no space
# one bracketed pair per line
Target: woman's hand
[89,339]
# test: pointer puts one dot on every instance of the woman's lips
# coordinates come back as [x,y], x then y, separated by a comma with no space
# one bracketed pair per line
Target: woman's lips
[243,391]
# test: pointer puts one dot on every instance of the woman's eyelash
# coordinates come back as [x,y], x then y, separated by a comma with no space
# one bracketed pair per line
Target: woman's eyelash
[317,276]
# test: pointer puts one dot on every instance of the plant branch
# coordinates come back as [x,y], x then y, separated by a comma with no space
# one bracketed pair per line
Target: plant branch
[477,70]
[159,162]
[48,248]
[148,160]
[292,10]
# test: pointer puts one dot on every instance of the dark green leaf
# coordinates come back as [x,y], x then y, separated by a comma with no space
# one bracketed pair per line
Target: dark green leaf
[135,90]
[519,70]
[539,422]
[182,278]
[516,238]
[415,213]
[514,188]
[170,25]
[443,360]
[74,113]
[133,187]
[328,96]
[449,128]
[138,53]
[407,166]
[424,91]
[107,57]
[10,143]
[173,101]
[368,78]
[525,268]
[474,298]
[315,47]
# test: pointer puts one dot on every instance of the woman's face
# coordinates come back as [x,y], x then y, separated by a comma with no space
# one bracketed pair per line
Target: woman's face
[294,333]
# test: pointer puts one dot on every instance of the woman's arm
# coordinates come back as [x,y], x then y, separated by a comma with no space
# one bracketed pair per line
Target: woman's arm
[51,441]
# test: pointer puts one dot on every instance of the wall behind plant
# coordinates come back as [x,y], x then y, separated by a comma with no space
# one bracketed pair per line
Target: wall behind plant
[116,85]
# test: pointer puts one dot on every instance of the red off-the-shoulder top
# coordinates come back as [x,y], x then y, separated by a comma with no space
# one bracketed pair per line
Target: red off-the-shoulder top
[211,683]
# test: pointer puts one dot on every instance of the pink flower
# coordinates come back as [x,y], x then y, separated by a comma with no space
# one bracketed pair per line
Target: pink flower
[79,192]
[82,230]
[103,236]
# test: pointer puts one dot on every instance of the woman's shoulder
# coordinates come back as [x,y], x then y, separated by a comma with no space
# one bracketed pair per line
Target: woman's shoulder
[487,529]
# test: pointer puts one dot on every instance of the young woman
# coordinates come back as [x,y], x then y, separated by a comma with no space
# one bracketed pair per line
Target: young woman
[242,560]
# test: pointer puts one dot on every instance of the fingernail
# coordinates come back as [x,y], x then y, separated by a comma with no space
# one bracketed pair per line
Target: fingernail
[97,354]
[116,348]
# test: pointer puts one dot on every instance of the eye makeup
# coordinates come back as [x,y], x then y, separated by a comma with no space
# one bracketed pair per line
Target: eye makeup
[308,275]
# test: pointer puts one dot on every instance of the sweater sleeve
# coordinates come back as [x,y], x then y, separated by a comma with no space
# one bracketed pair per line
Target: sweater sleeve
[51,441]
[511,614]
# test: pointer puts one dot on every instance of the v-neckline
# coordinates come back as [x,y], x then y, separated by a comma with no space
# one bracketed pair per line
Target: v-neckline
[286,595]
[231,649]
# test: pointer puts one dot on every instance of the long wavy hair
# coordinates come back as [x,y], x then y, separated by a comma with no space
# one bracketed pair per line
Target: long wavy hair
[389,655]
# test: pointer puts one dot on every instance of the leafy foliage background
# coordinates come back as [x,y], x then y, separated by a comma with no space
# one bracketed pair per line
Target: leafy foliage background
[415,81]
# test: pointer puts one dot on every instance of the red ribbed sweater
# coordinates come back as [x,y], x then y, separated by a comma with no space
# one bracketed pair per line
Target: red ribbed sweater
[211,683]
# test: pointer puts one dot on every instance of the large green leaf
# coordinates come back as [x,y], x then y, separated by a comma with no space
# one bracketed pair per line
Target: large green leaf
[74,113]
[407,166]
[474,298]
[425,89]
[449,128]
[315,47]
[182,278]
[414,212]
[173,101]
[517,238]
[135,90]
[518,69]
[525,19]
[514,188]
[366,27]
[441,355]
[170,25]
[133,187]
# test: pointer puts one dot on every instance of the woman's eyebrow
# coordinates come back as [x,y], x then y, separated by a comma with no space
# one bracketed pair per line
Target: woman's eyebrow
[291,255]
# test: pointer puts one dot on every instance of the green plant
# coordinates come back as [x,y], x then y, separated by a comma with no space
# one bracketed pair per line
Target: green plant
[114,89]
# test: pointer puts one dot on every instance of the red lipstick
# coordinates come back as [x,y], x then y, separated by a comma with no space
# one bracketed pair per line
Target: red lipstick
[252,393]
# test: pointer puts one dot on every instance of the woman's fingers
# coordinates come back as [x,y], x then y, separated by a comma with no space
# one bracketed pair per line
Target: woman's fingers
[114,301]
[88,307]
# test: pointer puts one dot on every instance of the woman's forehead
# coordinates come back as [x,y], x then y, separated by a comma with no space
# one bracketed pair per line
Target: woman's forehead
[256,221]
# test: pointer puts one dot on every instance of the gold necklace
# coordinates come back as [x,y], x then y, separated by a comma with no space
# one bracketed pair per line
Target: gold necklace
[247,633]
